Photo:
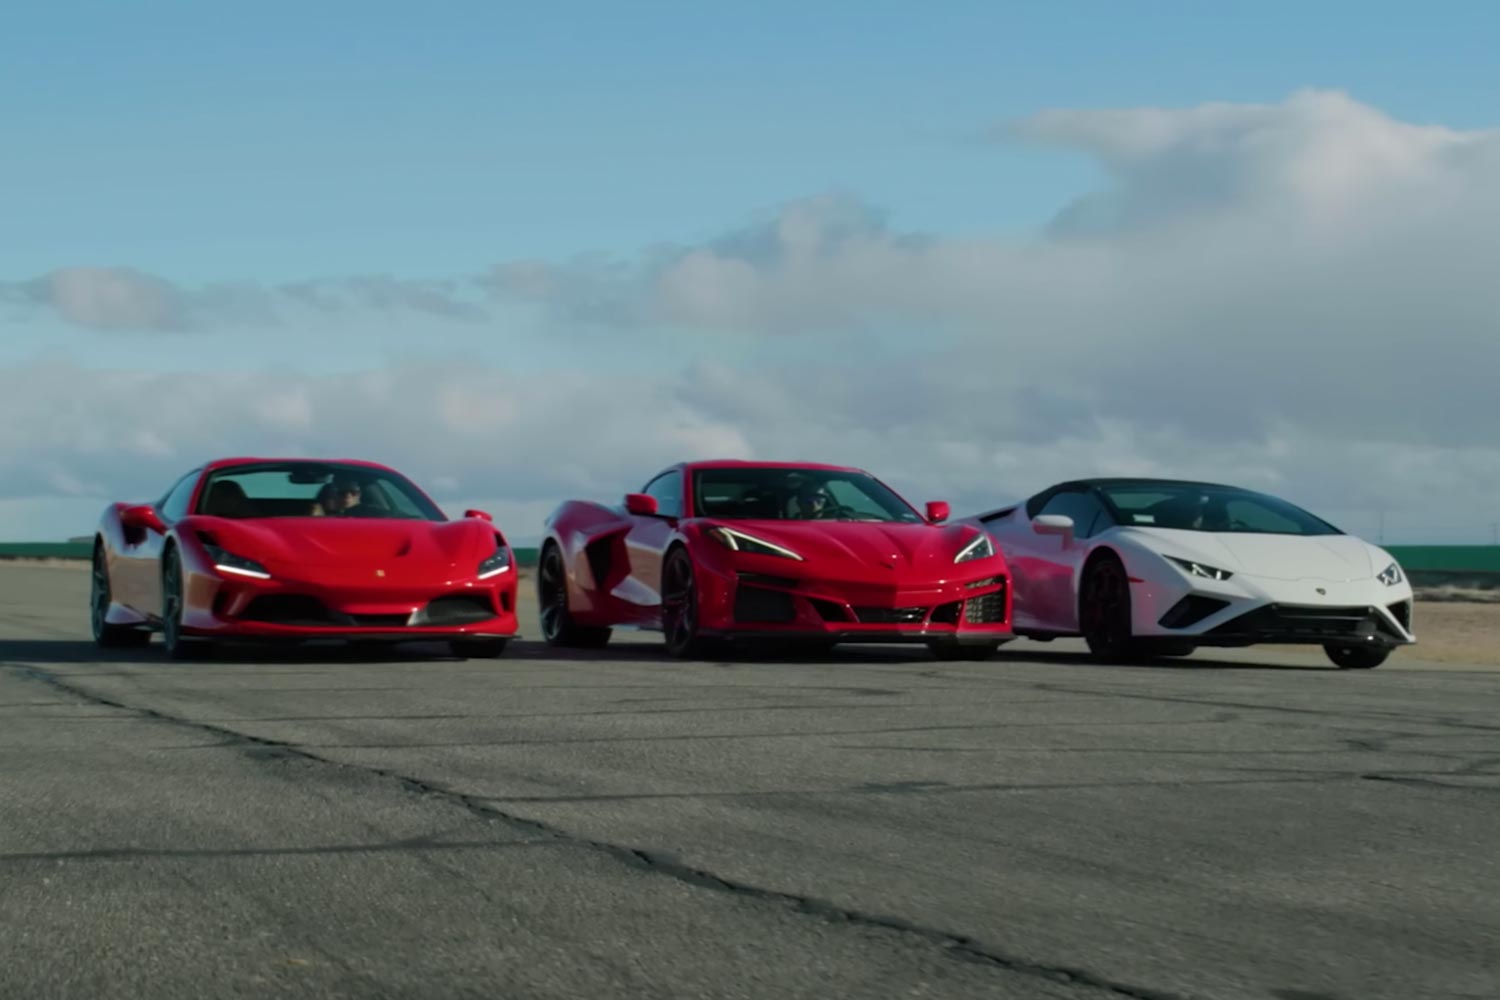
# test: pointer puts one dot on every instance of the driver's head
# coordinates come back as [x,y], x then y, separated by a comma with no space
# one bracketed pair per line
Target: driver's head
[346,489]
[812,498]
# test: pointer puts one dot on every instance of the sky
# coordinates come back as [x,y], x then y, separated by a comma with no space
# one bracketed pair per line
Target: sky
[528,253]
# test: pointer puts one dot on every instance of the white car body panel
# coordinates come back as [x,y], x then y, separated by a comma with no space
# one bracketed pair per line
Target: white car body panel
[1304,574]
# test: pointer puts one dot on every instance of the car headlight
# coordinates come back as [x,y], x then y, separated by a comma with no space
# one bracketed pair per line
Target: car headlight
[979,548]
[738,541]
[495,564]
[1193,568]
[228,562]
[1391,575]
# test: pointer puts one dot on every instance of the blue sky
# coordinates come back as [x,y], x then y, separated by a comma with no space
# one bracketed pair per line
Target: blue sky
[208,146]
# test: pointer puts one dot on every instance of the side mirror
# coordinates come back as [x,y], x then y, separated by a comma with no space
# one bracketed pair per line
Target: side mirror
[938,511]
[1053,524]
[143,517]
[482,515]
[640,504]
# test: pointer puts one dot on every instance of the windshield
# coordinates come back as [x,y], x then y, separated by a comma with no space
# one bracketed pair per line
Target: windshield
[1194,507]
[795,494]
[314,489]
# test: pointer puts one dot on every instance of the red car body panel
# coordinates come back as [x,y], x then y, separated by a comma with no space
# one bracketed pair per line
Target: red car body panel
[856,581]
[356,578]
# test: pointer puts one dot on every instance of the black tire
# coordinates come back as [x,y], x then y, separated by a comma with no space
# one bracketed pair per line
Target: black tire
[177,645]
[558,627]
[479,649]
[1357,657]
[107,635]
[679,606]
[953,651]
[1104,610]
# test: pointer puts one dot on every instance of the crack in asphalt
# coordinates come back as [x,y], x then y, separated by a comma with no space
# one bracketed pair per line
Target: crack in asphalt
[961,947]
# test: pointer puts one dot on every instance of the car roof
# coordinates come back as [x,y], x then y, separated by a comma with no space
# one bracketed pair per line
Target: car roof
[1135,481]
[741,463]
[221,463]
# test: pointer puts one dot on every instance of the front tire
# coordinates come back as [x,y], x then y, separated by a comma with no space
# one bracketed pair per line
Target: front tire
[100,599]
[1357,657]
[178,646]
[1104,610]
[679,606]
[558,627]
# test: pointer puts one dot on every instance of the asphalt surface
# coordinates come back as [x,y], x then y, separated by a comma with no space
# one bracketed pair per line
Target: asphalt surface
[872,824]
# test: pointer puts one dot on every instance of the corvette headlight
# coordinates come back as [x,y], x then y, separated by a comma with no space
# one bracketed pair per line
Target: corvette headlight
[1201,569]
[228,562]
[738,541]
[496,564]
[979,548]
[1391,575]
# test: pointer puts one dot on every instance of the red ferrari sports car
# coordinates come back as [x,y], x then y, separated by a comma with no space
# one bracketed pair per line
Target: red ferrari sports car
[756,550]
[293,549]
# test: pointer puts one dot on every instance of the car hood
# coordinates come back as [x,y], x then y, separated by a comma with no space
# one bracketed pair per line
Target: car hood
[923,550]
[1273,557]
[354,542]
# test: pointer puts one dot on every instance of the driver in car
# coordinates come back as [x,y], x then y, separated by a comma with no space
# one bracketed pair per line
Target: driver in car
[812,502]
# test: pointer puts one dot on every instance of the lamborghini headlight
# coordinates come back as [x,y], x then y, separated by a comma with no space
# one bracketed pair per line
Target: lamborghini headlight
[980,548]
[228,562]
[495,564]
[738,541]
[1391,575]
[1193,568]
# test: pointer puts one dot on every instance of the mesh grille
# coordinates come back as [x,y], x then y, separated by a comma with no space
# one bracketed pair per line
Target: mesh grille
[891,616]
[986,609]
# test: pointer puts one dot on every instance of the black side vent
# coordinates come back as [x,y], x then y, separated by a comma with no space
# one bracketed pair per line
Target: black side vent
[600,556]
[829,611]
[756,604]
[986,609]
[1191,610]
[1401,611]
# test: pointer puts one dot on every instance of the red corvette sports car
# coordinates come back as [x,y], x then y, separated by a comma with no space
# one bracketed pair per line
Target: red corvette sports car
[742,550]
[296,549]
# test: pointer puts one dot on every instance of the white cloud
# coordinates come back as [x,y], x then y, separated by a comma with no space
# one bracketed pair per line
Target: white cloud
[1296,296]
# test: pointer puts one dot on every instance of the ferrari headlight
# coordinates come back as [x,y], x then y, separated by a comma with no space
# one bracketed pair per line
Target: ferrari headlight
[495,564]
[1201,569]
[979,548]
[738,541]
[1391,575]
[228,562]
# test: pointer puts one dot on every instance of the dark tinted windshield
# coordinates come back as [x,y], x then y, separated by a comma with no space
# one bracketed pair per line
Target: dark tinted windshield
[1190,507]
[314,489]
[780,493]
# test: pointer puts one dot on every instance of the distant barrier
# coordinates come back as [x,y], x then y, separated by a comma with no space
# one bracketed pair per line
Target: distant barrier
[1427,565]
[525,558]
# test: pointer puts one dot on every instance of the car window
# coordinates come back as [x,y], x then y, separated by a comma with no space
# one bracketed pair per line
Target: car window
[1205,507]
[1088,514]
[313,489]
[174,505]
[667,489]
[772,492]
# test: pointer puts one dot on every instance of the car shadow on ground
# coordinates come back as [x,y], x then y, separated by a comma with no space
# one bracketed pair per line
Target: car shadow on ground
[83,652]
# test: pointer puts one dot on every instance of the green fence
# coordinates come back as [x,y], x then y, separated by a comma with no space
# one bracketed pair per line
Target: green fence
[82,550]
[1430,561]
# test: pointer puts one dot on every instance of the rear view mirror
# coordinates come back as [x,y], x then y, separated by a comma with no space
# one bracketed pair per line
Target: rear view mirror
[1053,524]
[142,517]
[480,514]
[640,504]
[937,511]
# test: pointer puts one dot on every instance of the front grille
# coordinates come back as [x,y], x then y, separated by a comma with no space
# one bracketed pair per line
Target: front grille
[374,621]
[986,609]
[1310,623]
[456,609]
[947,614]
[1191,610]
[891,616]
[767,579]
[828,610]
[289,609]
[756,604]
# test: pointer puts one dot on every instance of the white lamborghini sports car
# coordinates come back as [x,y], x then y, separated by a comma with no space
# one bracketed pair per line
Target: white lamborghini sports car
[1143,566]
